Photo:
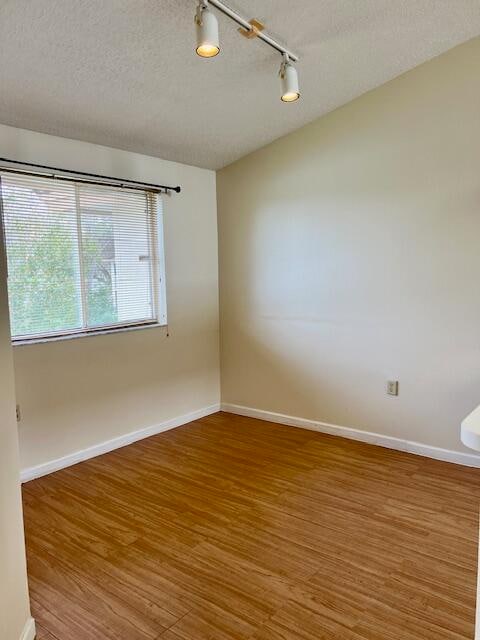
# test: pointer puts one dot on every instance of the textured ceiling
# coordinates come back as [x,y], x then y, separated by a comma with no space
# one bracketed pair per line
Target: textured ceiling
[123,73]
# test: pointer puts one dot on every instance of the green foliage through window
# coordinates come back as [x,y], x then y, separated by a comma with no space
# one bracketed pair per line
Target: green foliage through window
[79,257]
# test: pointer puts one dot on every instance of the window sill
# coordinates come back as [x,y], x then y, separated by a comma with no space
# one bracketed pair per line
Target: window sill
[86,334]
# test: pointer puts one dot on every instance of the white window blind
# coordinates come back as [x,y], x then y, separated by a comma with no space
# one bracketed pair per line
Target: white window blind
[81,257]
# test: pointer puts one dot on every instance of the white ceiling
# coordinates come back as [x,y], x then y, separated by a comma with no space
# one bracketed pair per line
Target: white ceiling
[123,73]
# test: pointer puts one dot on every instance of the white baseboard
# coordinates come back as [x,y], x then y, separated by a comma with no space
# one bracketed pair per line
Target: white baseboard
[104,447]
[29,630]
[418,448]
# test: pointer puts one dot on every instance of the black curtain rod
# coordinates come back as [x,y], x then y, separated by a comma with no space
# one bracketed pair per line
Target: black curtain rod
[121,182]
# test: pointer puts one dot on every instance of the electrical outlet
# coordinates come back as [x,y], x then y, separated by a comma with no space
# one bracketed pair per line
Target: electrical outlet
[392,387]
[19,415]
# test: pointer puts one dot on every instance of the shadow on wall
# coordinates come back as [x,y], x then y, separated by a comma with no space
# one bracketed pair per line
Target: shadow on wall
[346,258]
[326,297]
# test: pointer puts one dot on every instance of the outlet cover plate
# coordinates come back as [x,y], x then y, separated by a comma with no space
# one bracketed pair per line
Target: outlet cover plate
[392,387]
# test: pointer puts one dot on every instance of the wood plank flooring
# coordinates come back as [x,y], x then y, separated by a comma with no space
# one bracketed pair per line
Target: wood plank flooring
[233,528]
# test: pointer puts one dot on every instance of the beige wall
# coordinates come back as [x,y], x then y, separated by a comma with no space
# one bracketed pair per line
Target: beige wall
[78,393]
[350,254]
[14,606]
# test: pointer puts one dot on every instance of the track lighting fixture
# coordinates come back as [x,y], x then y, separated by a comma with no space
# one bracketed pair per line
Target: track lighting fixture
[207,31]
[208,42]
[289,78]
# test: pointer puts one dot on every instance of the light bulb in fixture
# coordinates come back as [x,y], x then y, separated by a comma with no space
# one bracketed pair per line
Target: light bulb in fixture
[289,78]
[207,31]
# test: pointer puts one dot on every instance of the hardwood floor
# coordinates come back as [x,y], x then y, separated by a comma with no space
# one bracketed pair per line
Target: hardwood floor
[233,528]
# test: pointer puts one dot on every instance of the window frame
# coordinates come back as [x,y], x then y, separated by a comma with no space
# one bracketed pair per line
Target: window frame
[154,207]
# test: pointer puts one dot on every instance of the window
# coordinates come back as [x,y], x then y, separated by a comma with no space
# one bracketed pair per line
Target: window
[81,258]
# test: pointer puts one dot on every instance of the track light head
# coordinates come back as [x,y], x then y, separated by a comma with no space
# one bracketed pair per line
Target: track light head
[207,31]
[289,77]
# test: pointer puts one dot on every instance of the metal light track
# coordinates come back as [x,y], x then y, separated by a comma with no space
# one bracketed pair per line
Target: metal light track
[246,25]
